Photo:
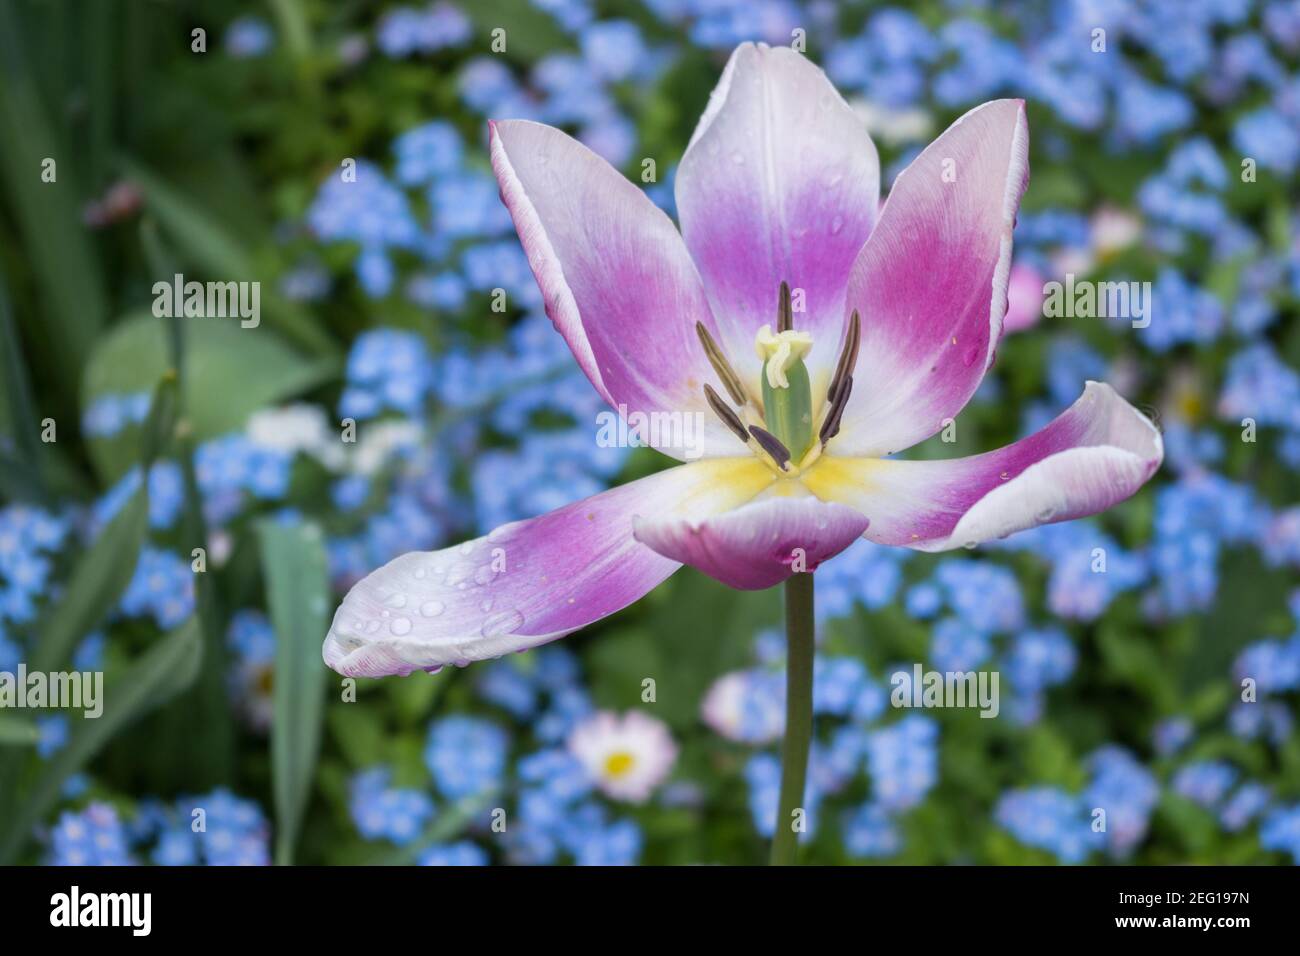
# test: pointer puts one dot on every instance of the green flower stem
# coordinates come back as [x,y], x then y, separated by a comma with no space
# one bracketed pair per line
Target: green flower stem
[798,714]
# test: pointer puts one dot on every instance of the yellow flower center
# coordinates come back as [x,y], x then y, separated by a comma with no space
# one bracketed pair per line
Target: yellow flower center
[617,764]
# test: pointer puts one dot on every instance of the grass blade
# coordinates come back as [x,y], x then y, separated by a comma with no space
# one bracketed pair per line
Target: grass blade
[17,732]
[297,583]
[48,213]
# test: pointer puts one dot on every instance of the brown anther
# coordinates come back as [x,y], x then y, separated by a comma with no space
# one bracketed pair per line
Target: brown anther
[784,312]
[831,426]
[772,445]
[848,355]
[723,411]
[726,374]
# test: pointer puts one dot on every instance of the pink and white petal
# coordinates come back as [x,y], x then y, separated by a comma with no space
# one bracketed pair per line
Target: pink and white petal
[526,583]
[1091,457]
[931,282]
[758,544]
[616,280]
[779,182]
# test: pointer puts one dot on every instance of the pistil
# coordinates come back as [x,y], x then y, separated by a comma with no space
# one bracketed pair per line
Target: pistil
[787,393]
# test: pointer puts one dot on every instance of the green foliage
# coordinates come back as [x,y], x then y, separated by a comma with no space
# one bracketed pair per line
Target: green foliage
[298,592]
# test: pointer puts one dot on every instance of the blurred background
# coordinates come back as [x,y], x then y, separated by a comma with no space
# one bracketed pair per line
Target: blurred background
[181,509]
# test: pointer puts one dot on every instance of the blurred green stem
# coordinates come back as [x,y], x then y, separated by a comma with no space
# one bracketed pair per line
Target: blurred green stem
[798,715]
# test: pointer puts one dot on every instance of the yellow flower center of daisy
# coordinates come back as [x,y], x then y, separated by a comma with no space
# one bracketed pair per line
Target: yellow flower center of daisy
[617,764]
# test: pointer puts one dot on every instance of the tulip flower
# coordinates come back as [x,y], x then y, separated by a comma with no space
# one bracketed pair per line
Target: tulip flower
[809,330]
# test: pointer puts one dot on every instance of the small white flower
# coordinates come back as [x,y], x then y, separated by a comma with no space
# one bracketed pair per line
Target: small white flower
[297,428]
[1113,230]
[378,443]
[738,710]
[894,126]
[626,756]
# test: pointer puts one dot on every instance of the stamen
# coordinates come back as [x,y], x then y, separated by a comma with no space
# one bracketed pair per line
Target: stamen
[848,356]
[831,427]
[784,313]
[772,445]
[730,380]
[723,410]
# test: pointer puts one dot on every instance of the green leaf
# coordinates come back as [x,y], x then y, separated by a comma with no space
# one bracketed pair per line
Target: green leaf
[230,372]
[15,731]
[211,247]
[18,411]
[95,585]
[56,244]
[297,582]
[104,571]
[163,671]
[530,33]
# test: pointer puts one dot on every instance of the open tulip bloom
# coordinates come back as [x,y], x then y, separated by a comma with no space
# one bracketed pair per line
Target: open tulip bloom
[810,330]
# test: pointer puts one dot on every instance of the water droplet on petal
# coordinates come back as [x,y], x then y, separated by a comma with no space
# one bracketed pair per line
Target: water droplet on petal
[1005,475]
[420,573]
[485,575]
[1045,515]
[485,606]
[467,547]
[431,608]
[971,545]
[396,599]
[459,573]
[400,626]
[738,158]
[836,225]
[969,358]
[503,622]
[371,626]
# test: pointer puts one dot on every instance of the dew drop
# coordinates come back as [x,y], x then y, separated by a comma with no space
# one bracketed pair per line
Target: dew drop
[371,626]
[738,158]
[836,225]
[503,622]
[431,608]
[467,547]
[485,606]
[971,545]
[1005,475]
[485,575]
[396,599]
[420,573]
[969,358]
[1045,515]
[459,573]
[400,626]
